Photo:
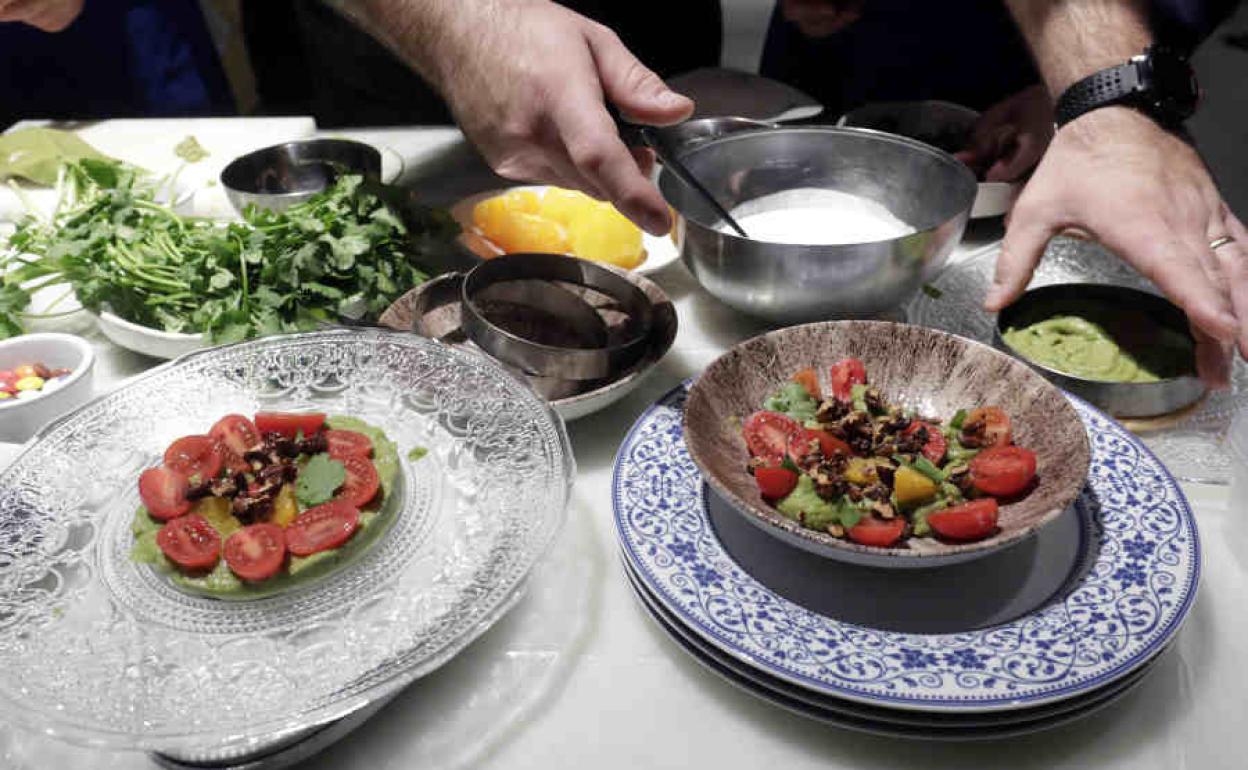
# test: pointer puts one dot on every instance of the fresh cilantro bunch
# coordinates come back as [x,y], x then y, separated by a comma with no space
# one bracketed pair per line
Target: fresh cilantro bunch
[345,254]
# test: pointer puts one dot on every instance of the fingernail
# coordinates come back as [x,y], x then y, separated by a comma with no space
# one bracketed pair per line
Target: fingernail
[656,224]
[671,99]
[996,293]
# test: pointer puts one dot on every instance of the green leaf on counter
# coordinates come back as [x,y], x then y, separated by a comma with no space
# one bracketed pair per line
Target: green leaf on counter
[36,154]
[190,150]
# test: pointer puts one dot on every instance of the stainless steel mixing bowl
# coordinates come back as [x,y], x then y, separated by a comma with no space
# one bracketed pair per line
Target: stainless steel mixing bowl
[280,176]
[783,283]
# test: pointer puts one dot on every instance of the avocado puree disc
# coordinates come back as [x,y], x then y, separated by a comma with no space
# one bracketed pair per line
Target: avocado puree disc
[1136,350]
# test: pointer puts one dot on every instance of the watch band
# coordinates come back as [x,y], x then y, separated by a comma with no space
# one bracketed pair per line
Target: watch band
[1115,85]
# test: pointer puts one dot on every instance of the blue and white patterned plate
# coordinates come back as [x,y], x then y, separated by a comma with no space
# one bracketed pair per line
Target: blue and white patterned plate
[1128,598]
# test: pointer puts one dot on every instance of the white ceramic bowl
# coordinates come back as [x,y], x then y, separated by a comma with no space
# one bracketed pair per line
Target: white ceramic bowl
[146,340]
[21,418]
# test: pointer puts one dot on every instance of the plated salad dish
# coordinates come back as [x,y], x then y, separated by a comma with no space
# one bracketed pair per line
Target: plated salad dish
[857,467]
[254,506]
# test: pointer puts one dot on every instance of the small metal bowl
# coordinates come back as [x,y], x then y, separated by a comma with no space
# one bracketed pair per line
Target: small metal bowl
[1121,399]
[280,176]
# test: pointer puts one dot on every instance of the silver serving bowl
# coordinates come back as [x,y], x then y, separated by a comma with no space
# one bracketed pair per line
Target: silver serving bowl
[280,176]
[785,283]
[1121,399]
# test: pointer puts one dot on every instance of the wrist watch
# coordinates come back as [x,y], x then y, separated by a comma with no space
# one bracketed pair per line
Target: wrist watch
[1159,83]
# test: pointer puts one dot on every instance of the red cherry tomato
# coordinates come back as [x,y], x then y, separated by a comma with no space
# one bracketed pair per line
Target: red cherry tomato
[775,483]
[877,532]
[256,552]
[321,528]
[236,432]
[810,381]
[801,450]
[190,542]
[845,375]
[163,493]
[232,461]
[362,481]
[996,424]
[768,436]
[1003,470]
[936,445]
[971,520]
[289,423]
[194,456]
[348,443]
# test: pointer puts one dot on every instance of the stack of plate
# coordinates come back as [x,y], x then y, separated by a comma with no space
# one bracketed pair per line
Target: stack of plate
[1022,640]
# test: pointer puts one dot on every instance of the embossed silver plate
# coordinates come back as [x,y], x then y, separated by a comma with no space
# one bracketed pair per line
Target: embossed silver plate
[95,651]
[1190,446]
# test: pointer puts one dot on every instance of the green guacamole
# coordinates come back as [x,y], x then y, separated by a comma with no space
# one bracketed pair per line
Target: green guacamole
[1126,348]
[222,583]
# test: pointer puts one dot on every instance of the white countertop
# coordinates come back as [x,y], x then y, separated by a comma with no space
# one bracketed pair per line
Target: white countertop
[629,697]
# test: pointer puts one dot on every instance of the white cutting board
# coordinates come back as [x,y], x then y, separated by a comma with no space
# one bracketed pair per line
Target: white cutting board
[150,142]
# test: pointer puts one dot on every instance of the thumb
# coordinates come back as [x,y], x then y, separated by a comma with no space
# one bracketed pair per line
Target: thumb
[640,95]
[1021,251]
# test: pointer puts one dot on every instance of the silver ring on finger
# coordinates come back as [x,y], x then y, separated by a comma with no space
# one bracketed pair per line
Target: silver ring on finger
[1218,243]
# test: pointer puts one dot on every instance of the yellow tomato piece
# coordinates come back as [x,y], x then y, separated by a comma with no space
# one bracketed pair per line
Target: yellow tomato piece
[565,206]
[606,235]
[912,488]
[860,470]
[217,511]
[285,509]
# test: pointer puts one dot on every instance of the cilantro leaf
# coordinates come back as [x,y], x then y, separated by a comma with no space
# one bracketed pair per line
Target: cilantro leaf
[417,453]
[318,479]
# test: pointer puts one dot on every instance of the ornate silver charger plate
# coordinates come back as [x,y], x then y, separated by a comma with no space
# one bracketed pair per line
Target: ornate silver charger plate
[1190,446]
[1086,603]
[100,651]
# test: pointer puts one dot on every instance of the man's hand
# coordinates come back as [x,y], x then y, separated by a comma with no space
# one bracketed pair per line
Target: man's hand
[528,82]
[47,15]
[1146,195]
[820,18]
[1010,137]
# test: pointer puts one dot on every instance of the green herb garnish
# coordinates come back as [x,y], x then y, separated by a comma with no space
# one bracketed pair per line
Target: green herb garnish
[190,150]
[318,479]
[959,417]
[932,291]
[417,453]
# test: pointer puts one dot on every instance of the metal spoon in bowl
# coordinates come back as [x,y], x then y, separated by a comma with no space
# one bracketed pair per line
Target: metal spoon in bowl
[634,135]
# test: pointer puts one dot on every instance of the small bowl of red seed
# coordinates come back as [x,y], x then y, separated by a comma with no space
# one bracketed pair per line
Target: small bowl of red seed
[42,376]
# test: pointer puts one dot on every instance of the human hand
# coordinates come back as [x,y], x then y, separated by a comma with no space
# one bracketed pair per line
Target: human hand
[1145,194]
[820,18]
[47,15]
[529,88]
[1010,137]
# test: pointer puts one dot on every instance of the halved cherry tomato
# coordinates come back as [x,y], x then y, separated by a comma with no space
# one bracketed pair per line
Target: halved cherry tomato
[163,492]
[362,481]
[194,456]
[1003,470]
[828,445]
[231,460]
[321,528]
[768,436]
[936,445]
[810,381]
[348,443]
[971,520]
[845,375]
[190,542]
[877,532]
[290,423]
[775,483]
[236,432]
[996,424]
[256,552]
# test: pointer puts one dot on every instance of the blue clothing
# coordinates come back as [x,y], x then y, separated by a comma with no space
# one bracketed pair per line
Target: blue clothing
[964,51]
[120,58]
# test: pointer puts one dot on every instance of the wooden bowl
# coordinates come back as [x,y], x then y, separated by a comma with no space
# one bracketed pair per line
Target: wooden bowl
[930,371]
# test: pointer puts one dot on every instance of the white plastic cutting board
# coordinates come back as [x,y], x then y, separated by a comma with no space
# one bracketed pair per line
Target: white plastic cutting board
[150,142]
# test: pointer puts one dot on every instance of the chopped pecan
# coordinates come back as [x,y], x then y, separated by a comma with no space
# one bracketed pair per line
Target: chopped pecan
[836,530]
[884,510]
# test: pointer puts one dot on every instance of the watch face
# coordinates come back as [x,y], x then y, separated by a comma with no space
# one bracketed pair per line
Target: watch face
[1171,83]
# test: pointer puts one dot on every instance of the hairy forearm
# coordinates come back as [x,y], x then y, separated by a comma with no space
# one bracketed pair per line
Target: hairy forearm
[427,34]
[1071,39]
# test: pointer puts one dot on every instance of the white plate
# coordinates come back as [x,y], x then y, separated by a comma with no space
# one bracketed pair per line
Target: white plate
[1121,596]
[146,340]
